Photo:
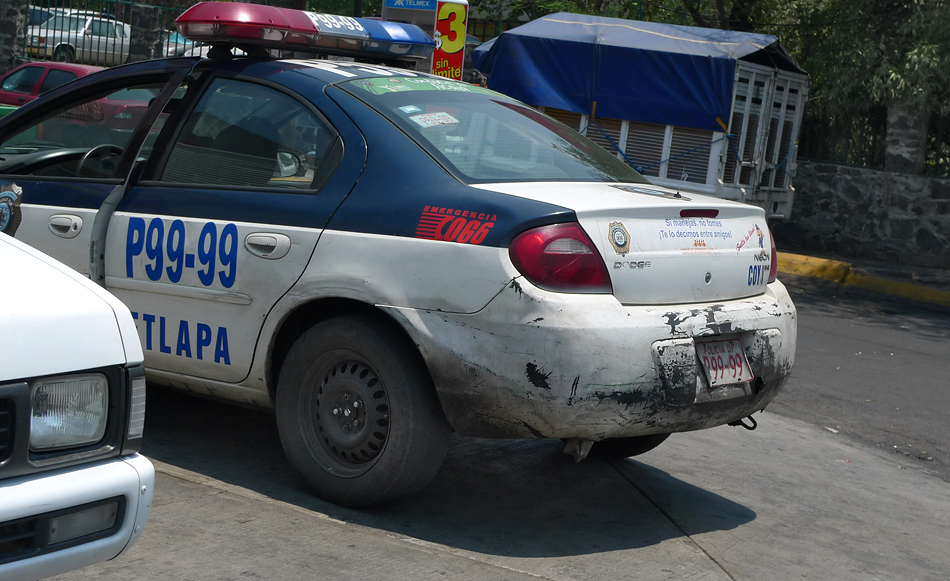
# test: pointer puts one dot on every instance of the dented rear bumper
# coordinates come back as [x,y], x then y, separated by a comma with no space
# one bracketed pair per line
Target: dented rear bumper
[536,364]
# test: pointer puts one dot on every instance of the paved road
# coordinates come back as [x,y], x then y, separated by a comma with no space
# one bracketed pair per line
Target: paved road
[788,501]
[874,369]
[791,500]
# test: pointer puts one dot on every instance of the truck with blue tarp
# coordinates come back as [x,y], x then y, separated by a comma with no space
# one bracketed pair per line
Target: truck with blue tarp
[706,110]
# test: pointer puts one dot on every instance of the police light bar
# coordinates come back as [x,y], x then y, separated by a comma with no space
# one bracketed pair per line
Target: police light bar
[240,24]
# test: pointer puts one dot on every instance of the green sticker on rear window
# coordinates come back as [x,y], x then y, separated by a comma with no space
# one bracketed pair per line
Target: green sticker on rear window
[385,86]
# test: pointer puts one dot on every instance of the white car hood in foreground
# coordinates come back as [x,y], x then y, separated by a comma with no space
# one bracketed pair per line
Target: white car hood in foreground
[54,320]
[661,246]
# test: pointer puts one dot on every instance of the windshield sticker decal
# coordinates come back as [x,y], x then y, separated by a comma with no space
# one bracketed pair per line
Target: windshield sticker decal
[434,119]
[382,86]
[410,109]
[10,195]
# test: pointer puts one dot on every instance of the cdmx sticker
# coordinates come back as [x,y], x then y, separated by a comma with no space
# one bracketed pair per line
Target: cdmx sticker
[619,238]
[10,195]
[452,225]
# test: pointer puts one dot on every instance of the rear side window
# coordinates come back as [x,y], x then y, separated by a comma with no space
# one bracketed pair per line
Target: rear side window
[103,28]
[55,78]
[245,135]
[485,136]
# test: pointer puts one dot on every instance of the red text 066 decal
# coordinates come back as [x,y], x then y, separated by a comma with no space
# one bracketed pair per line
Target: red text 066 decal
[451,225]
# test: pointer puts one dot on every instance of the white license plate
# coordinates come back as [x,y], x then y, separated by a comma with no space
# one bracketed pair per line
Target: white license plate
[724,362]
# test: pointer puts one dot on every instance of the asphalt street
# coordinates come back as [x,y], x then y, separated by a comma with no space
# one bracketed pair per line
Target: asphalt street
[872,368]
[818,491]
[787,501]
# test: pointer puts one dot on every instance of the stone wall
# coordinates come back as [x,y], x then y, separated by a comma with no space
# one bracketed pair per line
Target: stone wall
[861,213]
[147,33]
[13,15]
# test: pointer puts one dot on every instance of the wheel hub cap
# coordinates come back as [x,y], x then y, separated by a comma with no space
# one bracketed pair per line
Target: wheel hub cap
[353,412]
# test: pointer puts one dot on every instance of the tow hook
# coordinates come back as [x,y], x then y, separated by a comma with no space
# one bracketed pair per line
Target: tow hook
[578,448]
[742,423]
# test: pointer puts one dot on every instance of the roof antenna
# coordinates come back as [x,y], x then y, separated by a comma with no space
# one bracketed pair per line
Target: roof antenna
[683,177]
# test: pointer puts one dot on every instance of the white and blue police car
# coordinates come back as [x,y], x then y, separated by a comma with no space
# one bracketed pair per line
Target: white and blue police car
[385,256]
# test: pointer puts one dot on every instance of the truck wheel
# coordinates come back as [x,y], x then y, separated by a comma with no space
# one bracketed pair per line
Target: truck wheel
[357,413]
[613,448]
[64,54]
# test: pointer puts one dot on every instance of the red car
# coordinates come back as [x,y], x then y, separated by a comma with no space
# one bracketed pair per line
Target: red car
[27,82]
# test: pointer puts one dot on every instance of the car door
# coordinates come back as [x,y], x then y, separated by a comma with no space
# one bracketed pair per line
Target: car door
[222,224]
[56,170]
[55,78]
[98,43]
[19,87]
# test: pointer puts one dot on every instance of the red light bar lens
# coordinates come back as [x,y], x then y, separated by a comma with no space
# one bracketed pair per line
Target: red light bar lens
[239,24]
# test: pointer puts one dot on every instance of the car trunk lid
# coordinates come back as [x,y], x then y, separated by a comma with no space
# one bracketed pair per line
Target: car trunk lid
[661,246]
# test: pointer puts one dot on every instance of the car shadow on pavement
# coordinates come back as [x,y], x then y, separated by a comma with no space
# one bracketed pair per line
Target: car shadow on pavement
[508,498]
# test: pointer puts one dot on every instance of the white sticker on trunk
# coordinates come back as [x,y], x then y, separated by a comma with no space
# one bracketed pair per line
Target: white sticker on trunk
[685,235]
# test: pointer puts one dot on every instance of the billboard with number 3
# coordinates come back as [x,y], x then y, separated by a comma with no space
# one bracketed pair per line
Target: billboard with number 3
[451,24]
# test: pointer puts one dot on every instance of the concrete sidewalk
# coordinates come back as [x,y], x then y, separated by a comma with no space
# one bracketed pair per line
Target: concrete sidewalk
[788,501]
[923,285]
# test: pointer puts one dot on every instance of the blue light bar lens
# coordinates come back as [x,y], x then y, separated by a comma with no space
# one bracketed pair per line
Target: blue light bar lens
[395,39]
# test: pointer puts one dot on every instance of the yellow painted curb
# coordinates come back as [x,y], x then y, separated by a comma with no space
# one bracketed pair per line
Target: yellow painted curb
[833,270]
[841,273]
[899,289]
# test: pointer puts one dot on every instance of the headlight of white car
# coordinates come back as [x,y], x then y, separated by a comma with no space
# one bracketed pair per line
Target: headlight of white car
[69,411]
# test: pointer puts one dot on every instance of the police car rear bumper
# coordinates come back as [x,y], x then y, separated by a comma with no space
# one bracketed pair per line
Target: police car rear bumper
[536,364]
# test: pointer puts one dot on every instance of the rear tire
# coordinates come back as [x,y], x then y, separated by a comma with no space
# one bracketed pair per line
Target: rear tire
[614,448]
[357,413]
[64,54]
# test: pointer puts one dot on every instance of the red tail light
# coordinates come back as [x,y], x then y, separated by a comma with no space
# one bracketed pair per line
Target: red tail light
[773,266]
[560,258]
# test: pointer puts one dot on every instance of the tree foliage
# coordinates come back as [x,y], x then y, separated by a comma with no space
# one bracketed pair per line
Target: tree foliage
[863,52]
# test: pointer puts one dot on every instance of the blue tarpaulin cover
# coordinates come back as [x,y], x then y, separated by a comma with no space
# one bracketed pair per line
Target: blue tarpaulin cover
[642,71]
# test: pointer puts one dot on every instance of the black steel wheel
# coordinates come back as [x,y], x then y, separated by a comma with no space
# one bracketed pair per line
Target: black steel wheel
[350,415]
[357,413]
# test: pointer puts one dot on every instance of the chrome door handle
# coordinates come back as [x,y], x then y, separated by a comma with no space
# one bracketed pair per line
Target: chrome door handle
[267,245]
[65,225]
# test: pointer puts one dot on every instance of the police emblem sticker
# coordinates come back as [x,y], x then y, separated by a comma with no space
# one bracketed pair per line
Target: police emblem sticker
[619,238]
[10,195]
